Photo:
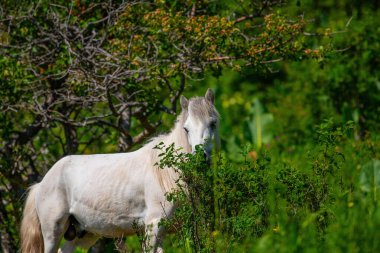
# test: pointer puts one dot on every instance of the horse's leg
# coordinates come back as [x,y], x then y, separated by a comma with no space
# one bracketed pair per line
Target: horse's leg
[86,242]
[54,218]
[153,233]
[52,232]
[67,247]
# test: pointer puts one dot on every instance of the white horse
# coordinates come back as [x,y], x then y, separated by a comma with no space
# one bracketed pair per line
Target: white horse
[84,197]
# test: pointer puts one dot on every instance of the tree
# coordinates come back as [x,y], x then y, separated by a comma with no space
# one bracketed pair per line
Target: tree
[75,75]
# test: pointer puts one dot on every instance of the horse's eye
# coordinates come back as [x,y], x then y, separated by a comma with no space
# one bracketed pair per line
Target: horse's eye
[186,130]
[213,125]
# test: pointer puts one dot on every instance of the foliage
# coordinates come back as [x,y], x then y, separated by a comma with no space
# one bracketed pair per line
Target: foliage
[264,203]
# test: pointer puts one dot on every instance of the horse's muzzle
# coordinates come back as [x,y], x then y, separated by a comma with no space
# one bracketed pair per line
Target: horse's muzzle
[206,156]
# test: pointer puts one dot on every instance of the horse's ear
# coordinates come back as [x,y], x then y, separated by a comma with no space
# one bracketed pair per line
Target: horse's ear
[184,102]
[210,96]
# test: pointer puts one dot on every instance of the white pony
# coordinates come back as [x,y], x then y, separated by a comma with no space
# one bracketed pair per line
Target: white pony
[84,197]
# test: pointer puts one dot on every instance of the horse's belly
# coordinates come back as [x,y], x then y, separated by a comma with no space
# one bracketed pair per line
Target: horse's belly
[108,201]
[111,223]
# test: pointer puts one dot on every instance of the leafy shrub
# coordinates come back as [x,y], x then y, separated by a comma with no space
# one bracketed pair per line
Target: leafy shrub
[270,205]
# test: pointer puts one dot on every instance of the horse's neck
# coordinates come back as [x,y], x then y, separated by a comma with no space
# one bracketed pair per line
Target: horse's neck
[178,136]
[167,177]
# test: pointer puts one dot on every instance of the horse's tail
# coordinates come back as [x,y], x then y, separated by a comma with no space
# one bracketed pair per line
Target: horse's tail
[31,235]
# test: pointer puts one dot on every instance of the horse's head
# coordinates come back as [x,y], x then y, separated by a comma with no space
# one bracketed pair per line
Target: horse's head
[201,122]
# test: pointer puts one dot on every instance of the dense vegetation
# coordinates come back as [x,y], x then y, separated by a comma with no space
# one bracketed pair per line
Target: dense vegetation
[297,87]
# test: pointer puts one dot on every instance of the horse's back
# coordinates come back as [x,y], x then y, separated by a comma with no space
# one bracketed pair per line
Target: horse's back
[76,169]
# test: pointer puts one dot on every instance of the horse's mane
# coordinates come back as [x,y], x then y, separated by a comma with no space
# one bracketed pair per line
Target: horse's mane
[168,176]
[199,108]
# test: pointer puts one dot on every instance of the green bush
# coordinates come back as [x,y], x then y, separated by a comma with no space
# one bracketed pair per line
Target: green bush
[330,204]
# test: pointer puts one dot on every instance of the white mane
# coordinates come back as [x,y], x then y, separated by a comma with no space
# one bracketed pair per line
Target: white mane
[168,176]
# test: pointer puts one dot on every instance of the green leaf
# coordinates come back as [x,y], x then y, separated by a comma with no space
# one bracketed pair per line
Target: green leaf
[370,178]
[258,126]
